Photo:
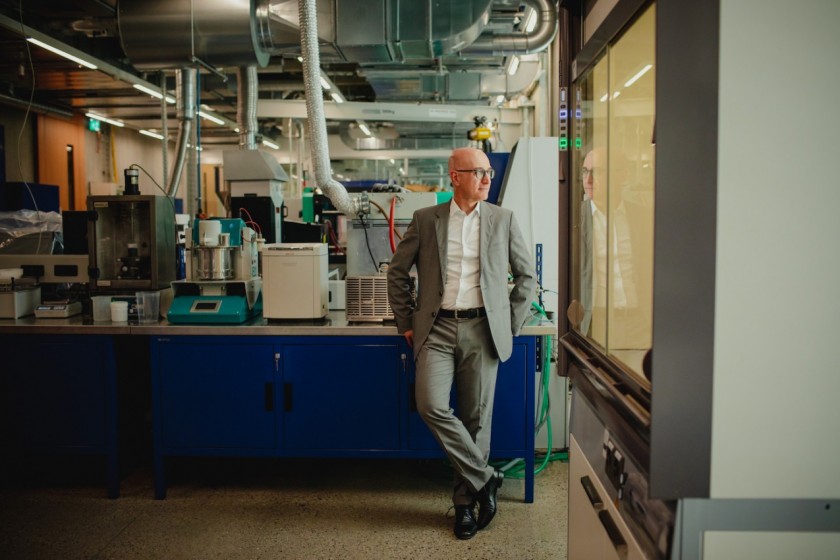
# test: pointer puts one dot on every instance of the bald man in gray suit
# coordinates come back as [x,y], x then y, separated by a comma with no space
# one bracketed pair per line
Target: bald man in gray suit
[463,322]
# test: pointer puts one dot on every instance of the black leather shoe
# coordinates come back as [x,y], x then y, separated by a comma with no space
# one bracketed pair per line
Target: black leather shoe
[487,499]
[465,525]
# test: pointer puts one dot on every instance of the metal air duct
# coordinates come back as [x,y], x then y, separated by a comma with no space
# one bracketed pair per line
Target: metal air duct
[504,44]
[158,34]
[334,190]
[185,94]
[246,106]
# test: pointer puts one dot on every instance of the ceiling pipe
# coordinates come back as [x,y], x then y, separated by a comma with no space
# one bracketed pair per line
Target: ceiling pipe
[334,190]
[34,106]
[246,106]
[185,90]
[504,44]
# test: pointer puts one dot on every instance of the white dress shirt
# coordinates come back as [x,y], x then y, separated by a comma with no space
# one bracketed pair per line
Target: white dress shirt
[462,289]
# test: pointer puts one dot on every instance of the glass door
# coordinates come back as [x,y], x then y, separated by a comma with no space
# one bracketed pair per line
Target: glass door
[613,198]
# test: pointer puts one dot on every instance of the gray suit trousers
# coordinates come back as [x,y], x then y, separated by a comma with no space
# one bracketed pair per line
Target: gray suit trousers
[459,351]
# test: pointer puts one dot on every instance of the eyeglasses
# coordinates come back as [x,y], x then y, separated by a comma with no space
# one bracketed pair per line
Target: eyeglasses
[590,171]
[479,172]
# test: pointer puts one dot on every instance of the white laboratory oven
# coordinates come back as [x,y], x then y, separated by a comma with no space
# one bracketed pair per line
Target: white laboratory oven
[295,282]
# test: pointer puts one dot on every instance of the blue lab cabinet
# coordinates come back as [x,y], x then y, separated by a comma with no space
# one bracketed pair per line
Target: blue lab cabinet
[312,396]
[58,395]
[213,397]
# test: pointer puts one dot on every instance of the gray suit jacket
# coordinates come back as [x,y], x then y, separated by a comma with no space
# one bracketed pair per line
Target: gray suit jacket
[501,249]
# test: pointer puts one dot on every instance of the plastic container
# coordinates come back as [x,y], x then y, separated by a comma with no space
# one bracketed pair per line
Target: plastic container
[119,311]
[101,308]
[148,307]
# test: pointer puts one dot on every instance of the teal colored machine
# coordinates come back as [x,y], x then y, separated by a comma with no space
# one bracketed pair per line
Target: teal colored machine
[223,285]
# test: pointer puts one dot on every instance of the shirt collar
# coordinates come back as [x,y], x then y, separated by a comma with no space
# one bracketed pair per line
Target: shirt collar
[455,209]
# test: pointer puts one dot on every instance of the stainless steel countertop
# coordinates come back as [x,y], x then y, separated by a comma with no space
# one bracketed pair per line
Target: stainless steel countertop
[335,324]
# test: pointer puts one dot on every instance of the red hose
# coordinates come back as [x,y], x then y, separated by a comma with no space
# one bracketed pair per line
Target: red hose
[391,224]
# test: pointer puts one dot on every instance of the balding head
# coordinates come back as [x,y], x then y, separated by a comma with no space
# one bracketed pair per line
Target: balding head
[463,158]
[469,190]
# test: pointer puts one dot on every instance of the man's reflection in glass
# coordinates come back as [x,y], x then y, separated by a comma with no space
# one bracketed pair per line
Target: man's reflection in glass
[607,265]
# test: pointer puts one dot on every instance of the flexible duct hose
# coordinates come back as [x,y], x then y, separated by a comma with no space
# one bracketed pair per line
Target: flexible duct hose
[334,190]
[246,107]
[185,93]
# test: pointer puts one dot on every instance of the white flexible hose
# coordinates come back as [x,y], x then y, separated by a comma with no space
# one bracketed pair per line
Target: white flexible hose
[335,191]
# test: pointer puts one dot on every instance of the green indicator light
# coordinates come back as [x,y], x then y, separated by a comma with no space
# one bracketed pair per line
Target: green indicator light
[93,125]
[564,143]
[578,143]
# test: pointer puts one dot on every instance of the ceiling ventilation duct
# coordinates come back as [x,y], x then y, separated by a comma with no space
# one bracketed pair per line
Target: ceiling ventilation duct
[382,31]
[386,37]
[373,32]
[159,34]
[504,44]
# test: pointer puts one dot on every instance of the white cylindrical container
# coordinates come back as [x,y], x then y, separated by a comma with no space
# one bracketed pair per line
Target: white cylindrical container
[119,311]
[208,232]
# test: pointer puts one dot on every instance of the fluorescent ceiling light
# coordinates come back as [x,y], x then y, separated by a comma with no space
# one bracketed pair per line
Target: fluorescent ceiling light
[60,52]
[616,94]
[153,93]
[270,144]
[325,84]
[605,97]
[337,97]
[513,65]
[531,22]
[104,119]
[641,73]
[363,127]
[152,134]
[211,118]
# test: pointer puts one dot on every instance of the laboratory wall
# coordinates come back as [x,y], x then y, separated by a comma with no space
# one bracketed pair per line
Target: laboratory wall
[19,143]
[777,308]
[61,158]
[111,150]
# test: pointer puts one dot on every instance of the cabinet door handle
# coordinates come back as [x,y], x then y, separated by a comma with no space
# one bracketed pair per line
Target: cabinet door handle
[268,394]
[591,493]
[287,397]
[613,533]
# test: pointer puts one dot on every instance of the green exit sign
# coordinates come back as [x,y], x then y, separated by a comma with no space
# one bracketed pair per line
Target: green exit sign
[93,125]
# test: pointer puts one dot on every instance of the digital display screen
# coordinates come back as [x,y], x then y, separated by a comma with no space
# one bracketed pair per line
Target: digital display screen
[206,306]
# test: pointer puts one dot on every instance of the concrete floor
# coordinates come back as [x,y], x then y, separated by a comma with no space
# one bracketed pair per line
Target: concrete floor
[270,508]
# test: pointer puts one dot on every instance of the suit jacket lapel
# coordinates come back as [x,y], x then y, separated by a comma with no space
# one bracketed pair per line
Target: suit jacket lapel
[441,229]
[486,219]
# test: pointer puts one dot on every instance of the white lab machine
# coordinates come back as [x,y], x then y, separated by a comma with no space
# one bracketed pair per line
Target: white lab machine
[295,282]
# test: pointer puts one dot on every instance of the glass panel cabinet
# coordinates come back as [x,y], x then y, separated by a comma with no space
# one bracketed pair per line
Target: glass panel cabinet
[613,198]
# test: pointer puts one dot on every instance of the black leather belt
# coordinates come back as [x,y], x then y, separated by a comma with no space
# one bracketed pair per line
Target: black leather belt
[463,313]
